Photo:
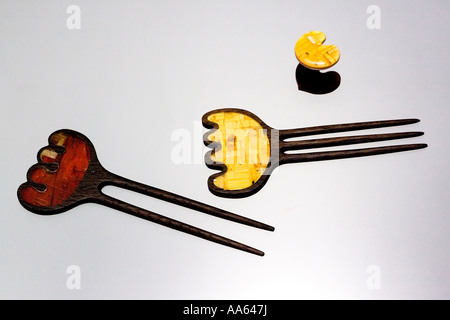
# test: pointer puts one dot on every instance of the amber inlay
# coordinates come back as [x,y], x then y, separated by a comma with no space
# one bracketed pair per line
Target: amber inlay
[311,52]
[245,149]
[61,183]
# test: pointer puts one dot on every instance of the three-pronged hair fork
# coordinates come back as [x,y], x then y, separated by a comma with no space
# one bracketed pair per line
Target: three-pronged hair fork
[246,150]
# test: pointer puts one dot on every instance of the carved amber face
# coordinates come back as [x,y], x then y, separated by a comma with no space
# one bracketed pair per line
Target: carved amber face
[242,145]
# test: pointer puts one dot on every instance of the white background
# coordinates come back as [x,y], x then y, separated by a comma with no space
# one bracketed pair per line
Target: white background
[137,71]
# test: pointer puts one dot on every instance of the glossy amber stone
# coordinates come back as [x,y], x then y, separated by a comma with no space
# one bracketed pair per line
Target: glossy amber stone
[312,53]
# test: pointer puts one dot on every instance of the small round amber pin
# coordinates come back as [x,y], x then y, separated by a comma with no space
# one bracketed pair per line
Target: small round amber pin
[312,54]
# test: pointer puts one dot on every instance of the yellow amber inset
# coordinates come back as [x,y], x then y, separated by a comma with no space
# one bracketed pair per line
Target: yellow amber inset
[312,54]
[245,149]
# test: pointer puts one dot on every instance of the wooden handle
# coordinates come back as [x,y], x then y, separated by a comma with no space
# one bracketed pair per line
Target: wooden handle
[121,182]
[172,223]
[342,141]
[331,155]
[301,132]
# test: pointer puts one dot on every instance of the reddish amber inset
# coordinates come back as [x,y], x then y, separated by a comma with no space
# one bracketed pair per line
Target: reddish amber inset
[60,184]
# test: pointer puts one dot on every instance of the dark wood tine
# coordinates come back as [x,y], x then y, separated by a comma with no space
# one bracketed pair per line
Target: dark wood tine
[174,224]
[300,132]
[340,141]
[121,182]
[342,154]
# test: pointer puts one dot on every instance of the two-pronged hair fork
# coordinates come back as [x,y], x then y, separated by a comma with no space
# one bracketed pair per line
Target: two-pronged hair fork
[68,173]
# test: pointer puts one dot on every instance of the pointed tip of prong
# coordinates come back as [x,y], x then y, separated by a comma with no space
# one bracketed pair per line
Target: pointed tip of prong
[397,122]
[247,249]
[401,135]
[407,147]
[413,134]
[258,252]
[250,250]
[416,146]
[263,226]
[405,121]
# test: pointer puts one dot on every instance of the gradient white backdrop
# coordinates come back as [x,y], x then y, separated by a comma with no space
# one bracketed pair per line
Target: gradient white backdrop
[137,71]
